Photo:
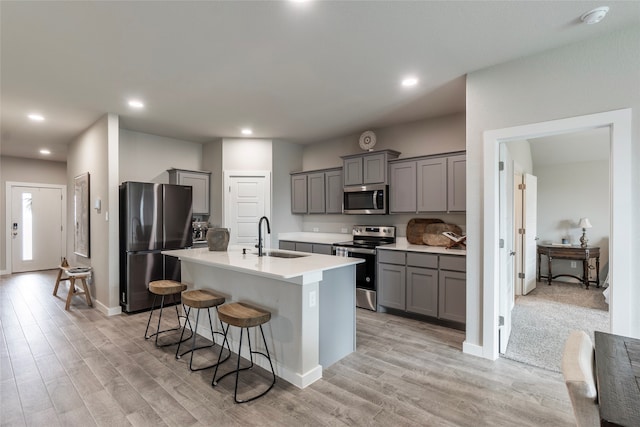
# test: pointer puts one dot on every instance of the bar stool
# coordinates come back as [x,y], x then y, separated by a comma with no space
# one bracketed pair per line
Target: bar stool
[244,316]
[200,299]
[163,288]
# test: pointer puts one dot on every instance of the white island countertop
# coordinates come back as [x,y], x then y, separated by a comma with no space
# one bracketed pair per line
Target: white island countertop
[266,266]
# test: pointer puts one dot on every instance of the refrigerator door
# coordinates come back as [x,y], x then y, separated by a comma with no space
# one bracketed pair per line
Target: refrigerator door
[177,229]
[141,216]
[172,268]
[141,268]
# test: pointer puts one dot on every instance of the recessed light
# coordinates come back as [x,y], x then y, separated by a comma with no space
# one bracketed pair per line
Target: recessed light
[409,81]
[36,117]
[45,151]
[247,131]
[594,16]
[134,103]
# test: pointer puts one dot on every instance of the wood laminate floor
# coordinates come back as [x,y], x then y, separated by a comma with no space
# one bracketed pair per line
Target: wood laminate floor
[81,368]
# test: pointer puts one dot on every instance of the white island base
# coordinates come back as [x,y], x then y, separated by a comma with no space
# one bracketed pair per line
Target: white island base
[311,300]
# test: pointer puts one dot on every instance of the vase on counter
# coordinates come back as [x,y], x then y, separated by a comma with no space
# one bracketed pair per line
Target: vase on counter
[218,238]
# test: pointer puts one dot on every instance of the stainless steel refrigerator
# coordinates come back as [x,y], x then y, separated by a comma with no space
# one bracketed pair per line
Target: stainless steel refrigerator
[153,217]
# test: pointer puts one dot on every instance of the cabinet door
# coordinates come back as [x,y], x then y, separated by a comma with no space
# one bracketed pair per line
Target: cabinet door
[432,185]
[315,193]
[200,187]
[352,169]
[457,183]
[391,286]
[374,169]
[422,291]
[452,289]
[304,247]
[321,249]
[402,187]
[333,191]
[298,194]
[287,245]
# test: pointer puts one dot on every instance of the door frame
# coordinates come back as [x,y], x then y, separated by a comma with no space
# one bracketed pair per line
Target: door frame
[226,182]
[619,123]
[8,213]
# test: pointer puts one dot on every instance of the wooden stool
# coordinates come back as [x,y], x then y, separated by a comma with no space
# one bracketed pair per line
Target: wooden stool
[71,274]
[244,316]
[200,299]
[163,288]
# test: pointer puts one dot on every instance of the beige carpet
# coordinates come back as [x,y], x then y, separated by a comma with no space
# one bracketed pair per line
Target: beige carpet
[542,320]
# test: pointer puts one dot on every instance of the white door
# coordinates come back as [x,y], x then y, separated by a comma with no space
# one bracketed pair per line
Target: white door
[246,201]
[530,212]
[36,228]
[507,251]
[518,215]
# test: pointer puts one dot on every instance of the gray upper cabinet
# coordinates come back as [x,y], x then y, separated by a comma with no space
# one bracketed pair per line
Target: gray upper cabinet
[199,181]
[299,193]
[333,191]
[428,184]
[402,192]
[368,168]
[432,185]
[316,192]
[457,183]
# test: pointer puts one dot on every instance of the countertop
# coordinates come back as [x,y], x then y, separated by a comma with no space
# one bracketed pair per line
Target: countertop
[310,237]
[403,245]
[266,266]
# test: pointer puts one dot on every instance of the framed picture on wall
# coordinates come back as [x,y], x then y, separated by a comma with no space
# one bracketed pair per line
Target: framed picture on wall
[81,215]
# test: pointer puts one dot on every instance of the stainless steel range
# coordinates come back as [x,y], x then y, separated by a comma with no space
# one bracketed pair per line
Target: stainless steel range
[365,240]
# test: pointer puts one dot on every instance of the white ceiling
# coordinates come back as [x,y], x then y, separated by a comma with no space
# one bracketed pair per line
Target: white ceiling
[296,72]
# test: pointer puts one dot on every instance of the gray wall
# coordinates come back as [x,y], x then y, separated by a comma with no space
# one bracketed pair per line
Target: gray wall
[16,169]
[583,78]
[287,158]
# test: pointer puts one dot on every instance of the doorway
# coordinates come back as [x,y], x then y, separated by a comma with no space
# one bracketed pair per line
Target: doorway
[36,236]
[619,123]
[247,198]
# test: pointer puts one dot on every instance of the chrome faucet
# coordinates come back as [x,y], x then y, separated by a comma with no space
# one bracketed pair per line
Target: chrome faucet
[260,233]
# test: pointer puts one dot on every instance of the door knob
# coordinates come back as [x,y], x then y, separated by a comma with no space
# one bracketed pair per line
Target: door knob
[512,253]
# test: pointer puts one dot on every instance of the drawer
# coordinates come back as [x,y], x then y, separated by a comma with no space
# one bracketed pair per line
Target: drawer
[453,263]
[416,259]
[391,257]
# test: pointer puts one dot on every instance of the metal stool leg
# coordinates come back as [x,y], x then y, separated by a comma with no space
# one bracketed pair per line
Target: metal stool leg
[158,331]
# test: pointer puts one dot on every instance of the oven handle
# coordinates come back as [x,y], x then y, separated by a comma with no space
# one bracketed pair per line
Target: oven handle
[359,250]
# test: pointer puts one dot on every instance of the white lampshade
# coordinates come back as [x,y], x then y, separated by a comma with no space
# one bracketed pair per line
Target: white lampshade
[584,223]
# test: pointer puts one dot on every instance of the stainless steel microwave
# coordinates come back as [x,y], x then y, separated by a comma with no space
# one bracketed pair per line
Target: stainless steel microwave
[366,199]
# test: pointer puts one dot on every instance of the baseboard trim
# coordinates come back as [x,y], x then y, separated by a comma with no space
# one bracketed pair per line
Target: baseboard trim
[109,311]
[472,349]
[4,272]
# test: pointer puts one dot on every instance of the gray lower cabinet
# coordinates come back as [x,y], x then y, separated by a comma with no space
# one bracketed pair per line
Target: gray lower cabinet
[315,248]
[423,283]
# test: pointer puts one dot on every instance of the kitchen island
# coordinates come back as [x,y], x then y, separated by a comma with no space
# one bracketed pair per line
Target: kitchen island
[311,298]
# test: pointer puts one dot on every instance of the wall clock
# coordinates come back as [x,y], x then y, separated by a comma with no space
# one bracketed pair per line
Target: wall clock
[367,140]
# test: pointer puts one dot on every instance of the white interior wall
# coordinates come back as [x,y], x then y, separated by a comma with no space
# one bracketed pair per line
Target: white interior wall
[540,88]
[246,154]
[287,157]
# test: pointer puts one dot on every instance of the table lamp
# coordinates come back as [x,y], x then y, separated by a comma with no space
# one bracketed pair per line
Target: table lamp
[584,224]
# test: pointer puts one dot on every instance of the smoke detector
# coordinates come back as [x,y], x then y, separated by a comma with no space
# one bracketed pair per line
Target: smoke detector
[594,16]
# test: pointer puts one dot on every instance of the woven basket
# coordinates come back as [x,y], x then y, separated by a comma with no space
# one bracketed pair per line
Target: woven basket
[433,234]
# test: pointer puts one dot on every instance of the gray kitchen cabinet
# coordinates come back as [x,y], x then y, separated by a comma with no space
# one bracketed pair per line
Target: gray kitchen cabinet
[333,191]
[432,184]
[316,248]
[299,194]
[368,168]
[304,247]
[457,183]
[423,283]
[319,248]
[452,288]
[402,187]
[200,182]
[287,245]
[315,193]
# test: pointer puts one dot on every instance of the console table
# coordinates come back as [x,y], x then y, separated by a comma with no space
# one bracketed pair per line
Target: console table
[577,253]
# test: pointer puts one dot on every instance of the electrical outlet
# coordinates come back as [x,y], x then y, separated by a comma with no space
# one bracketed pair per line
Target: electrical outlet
[312,299]
[573,264]
[316,229]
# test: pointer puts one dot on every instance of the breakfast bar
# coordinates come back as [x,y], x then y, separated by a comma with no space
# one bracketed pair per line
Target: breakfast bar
[311,298]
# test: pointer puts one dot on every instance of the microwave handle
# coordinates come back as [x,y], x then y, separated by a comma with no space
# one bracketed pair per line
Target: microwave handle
[375,199]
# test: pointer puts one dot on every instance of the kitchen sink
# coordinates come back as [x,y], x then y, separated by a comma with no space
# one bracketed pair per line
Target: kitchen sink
[281,254]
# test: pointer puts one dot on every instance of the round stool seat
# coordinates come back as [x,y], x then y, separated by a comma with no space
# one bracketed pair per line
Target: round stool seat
[243,315]
[166,287]
[201,298]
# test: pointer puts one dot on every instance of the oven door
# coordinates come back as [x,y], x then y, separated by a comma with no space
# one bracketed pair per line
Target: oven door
[365,277]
